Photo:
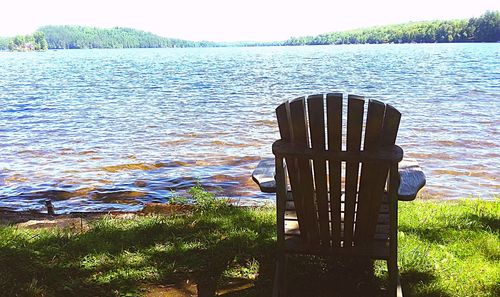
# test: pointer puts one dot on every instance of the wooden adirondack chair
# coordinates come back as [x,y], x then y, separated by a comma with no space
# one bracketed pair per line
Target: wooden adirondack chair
[336,201]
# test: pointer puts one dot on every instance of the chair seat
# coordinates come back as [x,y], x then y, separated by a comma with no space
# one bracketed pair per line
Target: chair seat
[378,248]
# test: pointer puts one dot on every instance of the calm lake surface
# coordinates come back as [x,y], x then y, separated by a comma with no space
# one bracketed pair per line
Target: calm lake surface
[114,129]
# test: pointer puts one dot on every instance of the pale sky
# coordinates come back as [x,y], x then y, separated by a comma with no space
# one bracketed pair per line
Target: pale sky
[231,20]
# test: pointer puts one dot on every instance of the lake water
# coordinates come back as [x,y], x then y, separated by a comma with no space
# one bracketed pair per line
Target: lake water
[113,129]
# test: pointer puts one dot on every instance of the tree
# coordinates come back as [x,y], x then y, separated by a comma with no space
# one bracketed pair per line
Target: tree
[40,41]
[488,27]
[34,42]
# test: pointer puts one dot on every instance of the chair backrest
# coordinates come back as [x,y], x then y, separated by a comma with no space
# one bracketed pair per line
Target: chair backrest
[337,201]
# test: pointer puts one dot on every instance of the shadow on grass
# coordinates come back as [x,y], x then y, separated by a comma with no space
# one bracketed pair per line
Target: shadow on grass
[122,257]
[493,223]
[118,257]
[467,222]
[418,277]
[312,276]
[318,277]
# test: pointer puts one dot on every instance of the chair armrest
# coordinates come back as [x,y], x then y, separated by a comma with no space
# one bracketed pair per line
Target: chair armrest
[411,175]
[263,175]
[412,179]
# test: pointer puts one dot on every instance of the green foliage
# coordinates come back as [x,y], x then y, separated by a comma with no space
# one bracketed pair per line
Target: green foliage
[487,26]
[32,42]
[4,43]
[483,29]
[40,41]
[78,37]
[178,200]
[202,200]
[206,201]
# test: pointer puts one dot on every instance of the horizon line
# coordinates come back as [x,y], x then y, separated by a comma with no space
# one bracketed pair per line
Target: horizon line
[244,41]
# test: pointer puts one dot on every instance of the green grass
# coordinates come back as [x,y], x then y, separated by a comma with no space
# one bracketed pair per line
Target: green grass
[451,249]
[446,249]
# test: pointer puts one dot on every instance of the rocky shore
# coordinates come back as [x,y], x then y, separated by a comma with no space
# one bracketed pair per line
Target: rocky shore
[79,220]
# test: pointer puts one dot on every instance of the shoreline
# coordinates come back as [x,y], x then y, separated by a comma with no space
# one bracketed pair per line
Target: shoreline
[80,220]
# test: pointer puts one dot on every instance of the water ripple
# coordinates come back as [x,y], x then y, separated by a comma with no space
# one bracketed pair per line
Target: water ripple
[113,129]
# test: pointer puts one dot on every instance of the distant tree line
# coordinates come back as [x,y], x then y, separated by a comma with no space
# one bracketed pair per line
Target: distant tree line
[78,37]
[483,29]
[4,42]
[31,42]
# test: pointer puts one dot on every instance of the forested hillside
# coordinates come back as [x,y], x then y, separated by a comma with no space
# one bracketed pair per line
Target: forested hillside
[483,29]
[74,37]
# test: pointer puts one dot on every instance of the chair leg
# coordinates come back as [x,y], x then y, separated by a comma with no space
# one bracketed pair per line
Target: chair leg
[399,292]
[394,281]
[279,287]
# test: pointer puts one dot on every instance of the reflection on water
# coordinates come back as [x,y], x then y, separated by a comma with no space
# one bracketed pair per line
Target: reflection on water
[114,129]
